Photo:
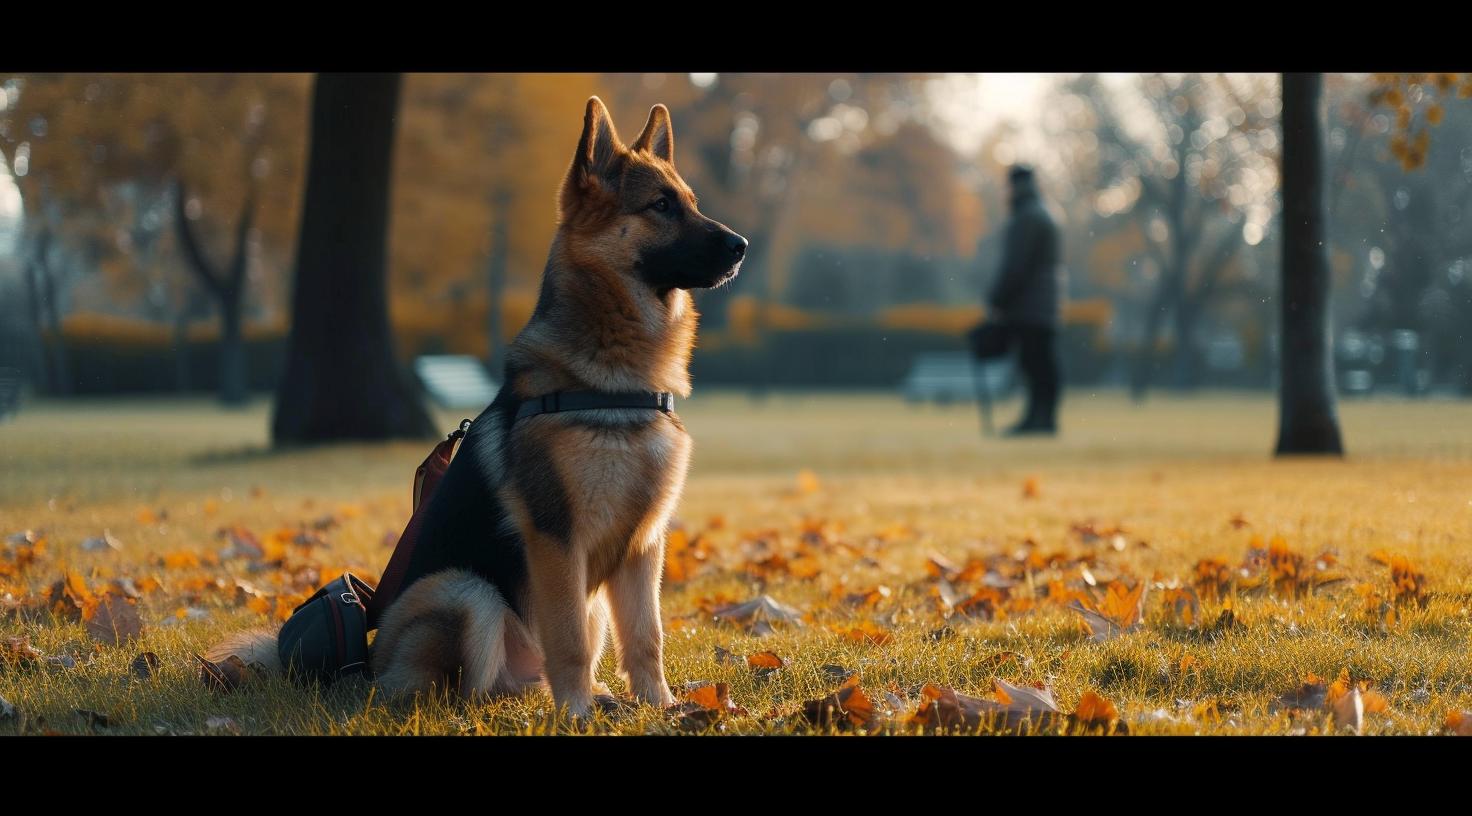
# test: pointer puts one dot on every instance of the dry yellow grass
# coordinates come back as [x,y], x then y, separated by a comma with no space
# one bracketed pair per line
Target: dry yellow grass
[891,485]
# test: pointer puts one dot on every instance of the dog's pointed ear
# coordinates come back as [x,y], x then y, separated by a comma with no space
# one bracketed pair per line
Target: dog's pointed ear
[658,137]
[598,147]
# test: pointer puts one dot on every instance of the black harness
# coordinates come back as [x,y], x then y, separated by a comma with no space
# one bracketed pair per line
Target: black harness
[560,401]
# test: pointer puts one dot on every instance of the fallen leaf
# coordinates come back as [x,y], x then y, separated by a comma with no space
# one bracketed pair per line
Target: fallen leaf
[754,613]
[837,673]
[1015,709]
[113,620]
[1184,605]
[846,709]
[1459,723]
[144,665]
[704,706]
[1097,713]
[95,719]
[227,675]
[15,650]
[1030,488]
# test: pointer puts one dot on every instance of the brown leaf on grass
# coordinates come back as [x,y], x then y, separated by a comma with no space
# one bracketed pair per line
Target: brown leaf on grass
[227,675]
[868,598]
[938,566]
[68,597]
[1016,708]
[864,632]
[847,709]
[144,665]
[1238,522]
[95,719]
[1030,488]
[1309,696]
[1459,723]
[18,650]
[113,620]
[703,706]
[1095,713]
[1119,613]
[837,673]
[761,663]
[1212,578]
[764,661]
[986,604]
[757,615]
[1184,605]
[1347,701]
[1409,584]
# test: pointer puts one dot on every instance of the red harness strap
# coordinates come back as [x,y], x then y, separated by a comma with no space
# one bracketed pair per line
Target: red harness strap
[426,479]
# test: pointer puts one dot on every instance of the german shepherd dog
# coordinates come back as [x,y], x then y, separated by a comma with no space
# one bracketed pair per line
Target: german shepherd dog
[548,525]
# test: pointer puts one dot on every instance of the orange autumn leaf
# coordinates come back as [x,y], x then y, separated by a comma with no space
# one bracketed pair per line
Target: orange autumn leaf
[1409,585]
[1184,605]
[1030,488]
[1094,711]
[180,559]
[849,707]
[863,632]
[807,482]
[1459,723]
[764,660]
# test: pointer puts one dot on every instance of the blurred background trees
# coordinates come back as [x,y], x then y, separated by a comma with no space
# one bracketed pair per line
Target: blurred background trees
[148,223]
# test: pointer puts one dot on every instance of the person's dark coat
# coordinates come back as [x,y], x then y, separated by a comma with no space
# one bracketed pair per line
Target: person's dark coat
[1030,281]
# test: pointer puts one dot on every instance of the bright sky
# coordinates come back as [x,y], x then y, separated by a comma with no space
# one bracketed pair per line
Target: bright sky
[970,105]
[9,210]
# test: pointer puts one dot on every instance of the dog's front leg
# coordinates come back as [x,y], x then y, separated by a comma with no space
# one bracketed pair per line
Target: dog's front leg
[634,592]
[560,602]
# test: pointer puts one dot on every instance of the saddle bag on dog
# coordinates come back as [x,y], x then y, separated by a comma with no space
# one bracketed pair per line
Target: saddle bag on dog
[326,637]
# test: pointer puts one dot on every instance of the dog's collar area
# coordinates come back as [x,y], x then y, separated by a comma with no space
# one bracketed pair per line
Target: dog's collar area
[559,401]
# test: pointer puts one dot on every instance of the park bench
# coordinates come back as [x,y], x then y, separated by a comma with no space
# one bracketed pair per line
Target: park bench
[456,380]
[944,377]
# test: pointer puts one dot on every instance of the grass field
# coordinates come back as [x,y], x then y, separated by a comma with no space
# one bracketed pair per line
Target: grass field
[832,505]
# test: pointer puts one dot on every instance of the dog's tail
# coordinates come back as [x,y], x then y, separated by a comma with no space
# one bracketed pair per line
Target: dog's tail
[454,629]
[255,647]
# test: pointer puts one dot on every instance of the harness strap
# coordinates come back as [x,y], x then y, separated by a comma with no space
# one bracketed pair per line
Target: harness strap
[426,479]
[559,401]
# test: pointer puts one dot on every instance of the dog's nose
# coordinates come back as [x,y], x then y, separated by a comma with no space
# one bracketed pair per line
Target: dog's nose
[737,245]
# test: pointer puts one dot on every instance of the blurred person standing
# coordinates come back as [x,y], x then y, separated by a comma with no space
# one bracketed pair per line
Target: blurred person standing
[1027,297]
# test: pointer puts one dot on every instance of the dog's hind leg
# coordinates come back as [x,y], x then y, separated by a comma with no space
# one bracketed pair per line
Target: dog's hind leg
[447,631]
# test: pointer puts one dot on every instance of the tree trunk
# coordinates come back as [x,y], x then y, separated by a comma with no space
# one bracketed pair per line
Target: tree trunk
[61,378]
[234,390]
[1307,423]
[496,269]
[342,381]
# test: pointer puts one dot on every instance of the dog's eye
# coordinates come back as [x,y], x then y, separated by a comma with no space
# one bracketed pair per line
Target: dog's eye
[661,205]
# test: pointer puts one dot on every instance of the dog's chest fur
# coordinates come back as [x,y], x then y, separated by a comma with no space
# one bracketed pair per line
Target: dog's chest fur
[598,482]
